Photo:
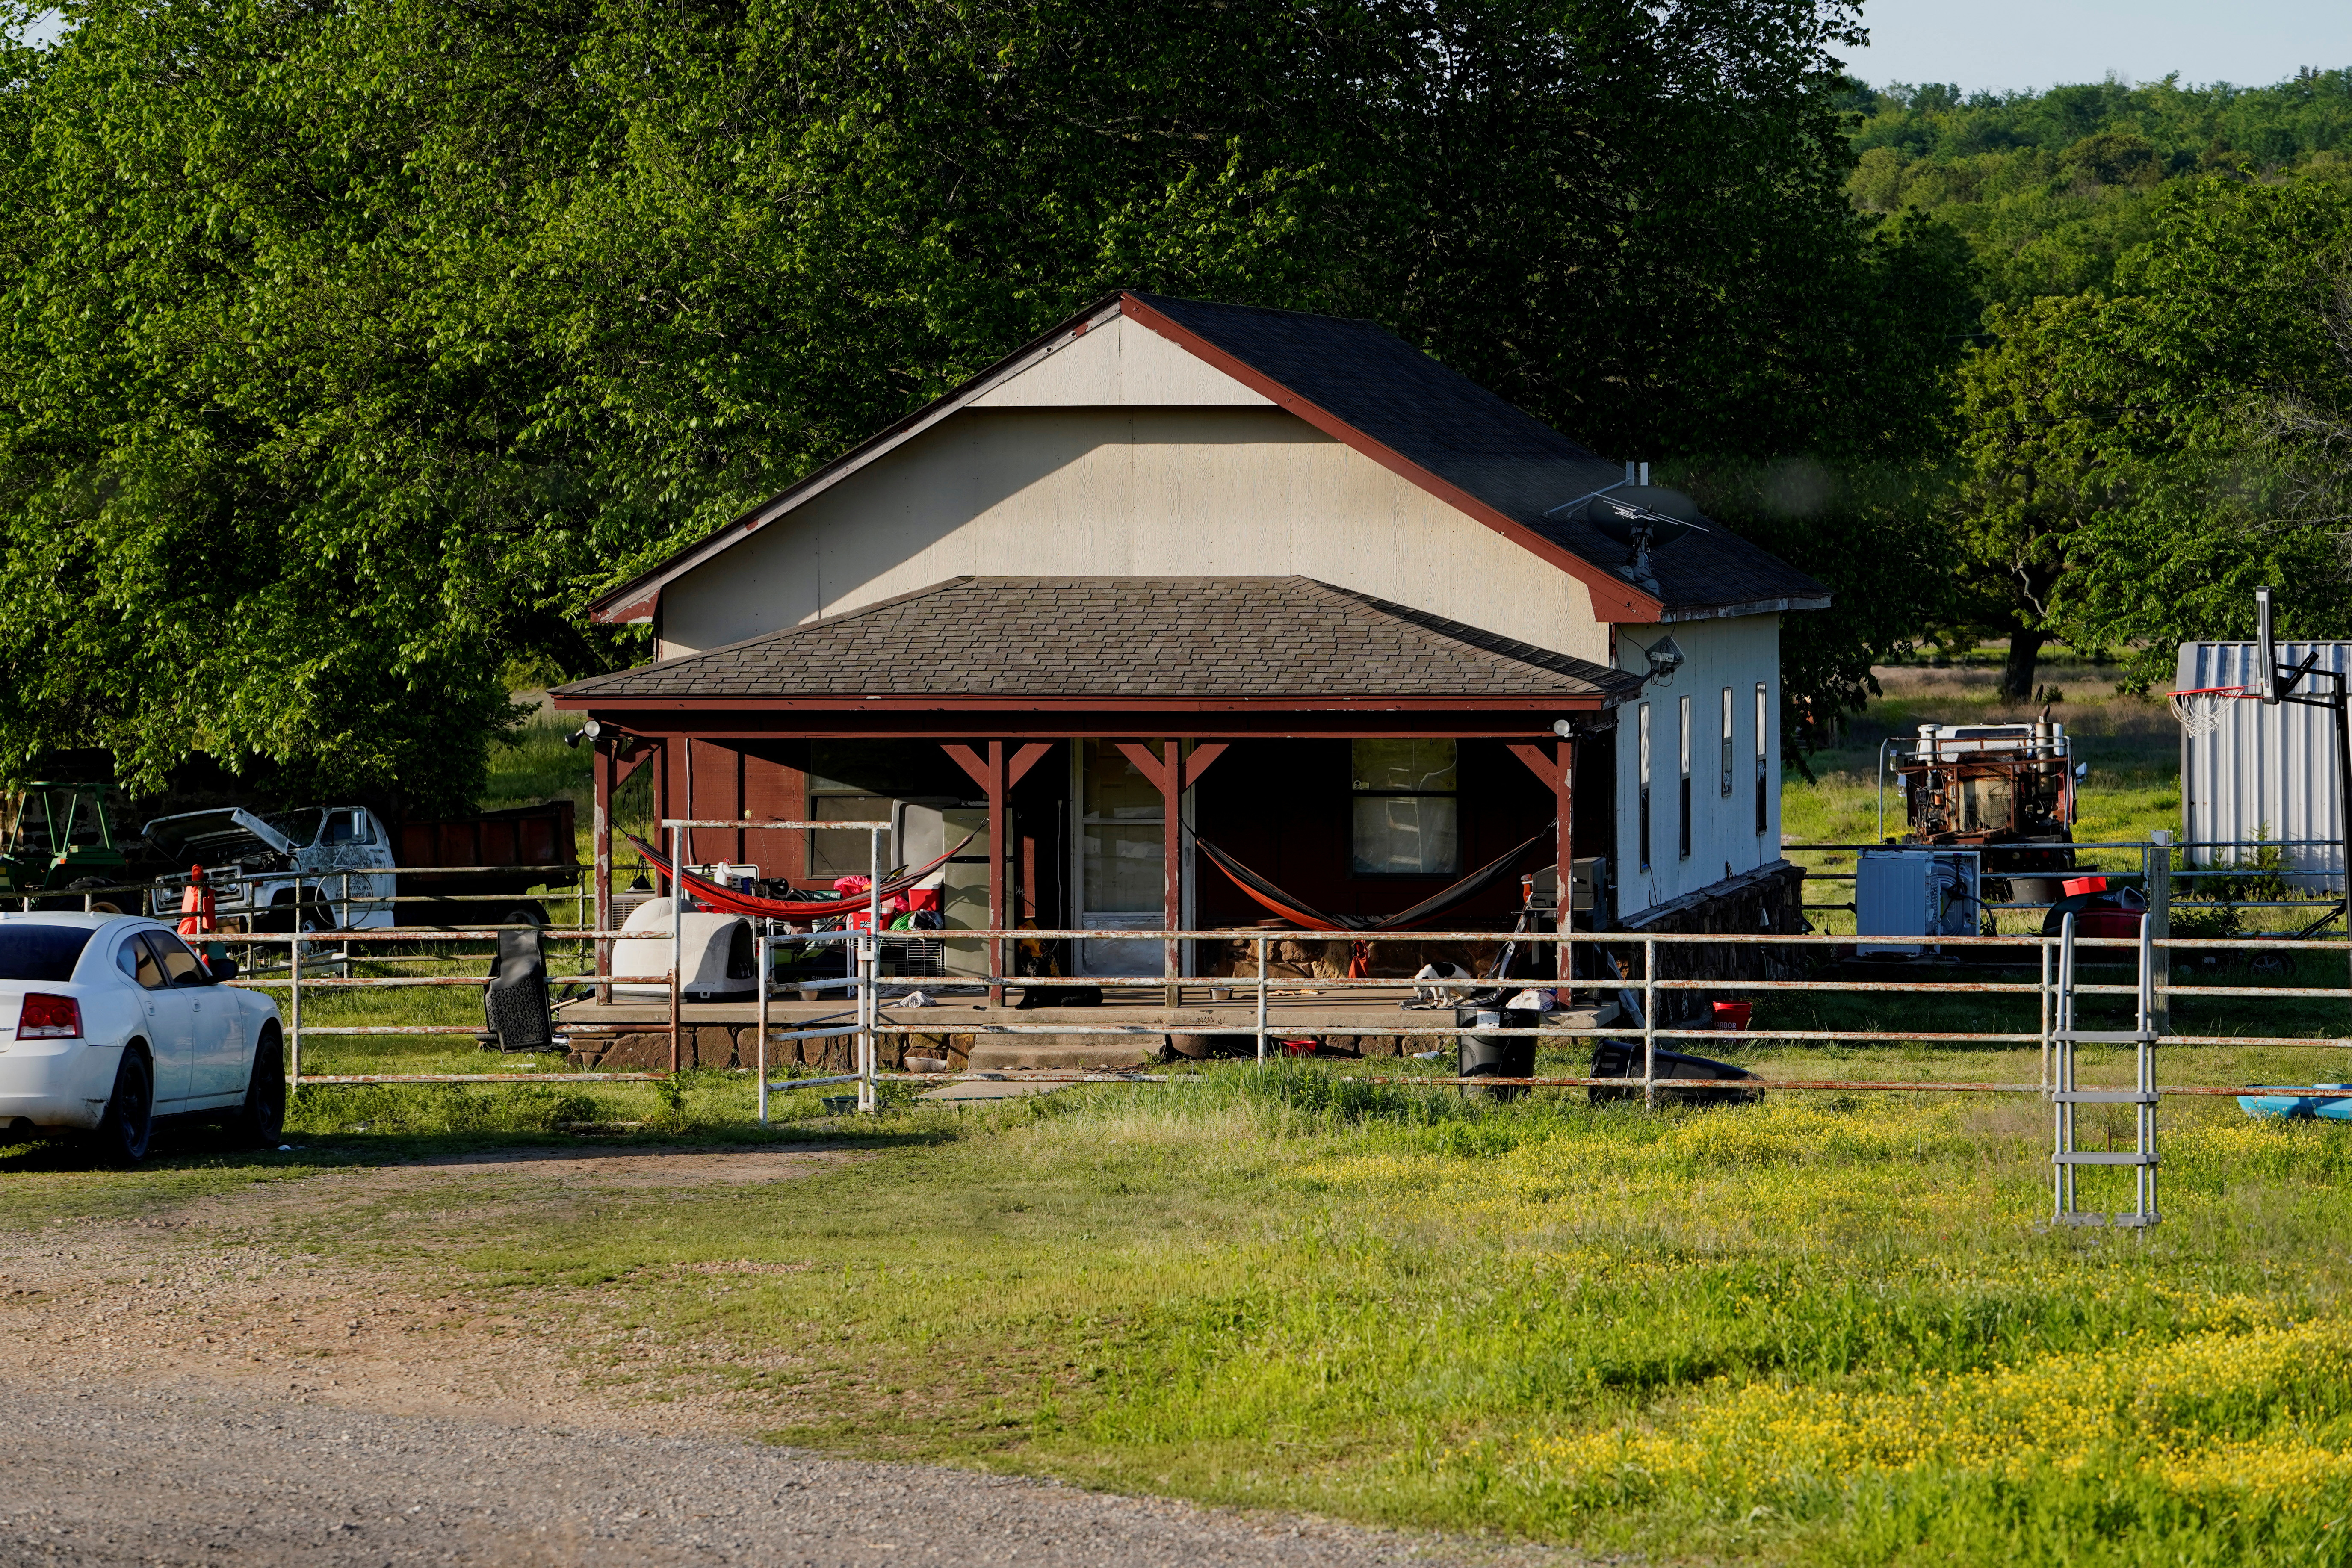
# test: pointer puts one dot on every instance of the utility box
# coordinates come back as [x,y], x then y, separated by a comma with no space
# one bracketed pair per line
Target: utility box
[1922,892]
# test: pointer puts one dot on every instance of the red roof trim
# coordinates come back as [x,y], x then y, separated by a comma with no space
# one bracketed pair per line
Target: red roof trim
[1613,598]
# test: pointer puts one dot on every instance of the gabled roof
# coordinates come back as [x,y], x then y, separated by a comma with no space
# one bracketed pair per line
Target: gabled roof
[1431,426]
[1269,639]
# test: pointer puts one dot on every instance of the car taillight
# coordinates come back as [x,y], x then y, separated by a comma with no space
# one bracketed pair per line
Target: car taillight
[50,1018]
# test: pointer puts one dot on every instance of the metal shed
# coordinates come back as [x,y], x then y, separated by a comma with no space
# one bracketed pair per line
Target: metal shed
[2264,771]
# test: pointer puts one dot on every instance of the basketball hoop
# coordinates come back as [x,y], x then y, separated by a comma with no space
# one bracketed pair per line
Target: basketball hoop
[2199,709]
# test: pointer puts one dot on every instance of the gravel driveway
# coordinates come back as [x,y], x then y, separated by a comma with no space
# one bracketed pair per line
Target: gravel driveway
[175,1391]
[115,1476]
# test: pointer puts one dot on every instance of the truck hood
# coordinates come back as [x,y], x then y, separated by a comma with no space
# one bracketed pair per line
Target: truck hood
[212,834]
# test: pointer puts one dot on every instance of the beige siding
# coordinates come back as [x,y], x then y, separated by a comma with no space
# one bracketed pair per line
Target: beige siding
[1120,365]
[1049,491]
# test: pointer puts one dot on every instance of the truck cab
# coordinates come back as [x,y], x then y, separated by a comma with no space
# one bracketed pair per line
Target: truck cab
[313,867]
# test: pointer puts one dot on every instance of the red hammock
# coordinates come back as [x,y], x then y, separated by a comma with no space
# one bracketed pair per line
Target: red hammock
[1360,953]
[727,900]
[1302,913]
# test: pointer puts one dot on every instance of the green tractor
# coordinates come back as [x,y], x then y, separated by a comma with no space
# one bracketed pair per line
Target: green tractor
[56,839]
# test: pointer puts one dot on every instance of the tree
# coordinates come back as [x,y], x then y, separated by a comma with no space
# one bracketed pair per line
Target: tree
[2041,411]
[348,349]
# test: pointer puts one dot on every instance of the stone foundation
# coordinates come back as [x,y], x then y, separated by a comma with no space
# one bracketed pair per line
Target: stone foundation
[1768,899]
[737,1045]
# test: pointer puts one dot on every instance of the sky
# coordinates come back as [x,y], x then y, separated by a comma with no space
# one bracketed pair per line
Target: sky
[2010,44]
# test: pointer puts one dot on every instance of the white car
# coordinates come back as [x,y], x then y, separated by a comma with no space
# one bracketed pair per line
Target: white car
[108,1022]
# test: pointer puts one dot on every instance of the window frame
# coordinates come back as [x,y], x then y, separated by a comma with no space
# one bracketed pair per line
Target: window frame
[1642,780]
[1763,732]
[1727,743]
[1355,794]
[1683,828]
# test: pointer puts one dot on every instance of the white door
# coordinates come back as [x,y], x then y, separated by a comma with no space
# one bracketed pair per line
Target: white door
[171,1027]
[1120,842]
[217,1064]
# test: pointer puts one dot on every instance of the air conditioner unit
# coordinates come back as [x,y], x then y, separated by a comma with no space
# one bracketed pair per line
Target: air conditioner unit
[1922,892]
[717,956]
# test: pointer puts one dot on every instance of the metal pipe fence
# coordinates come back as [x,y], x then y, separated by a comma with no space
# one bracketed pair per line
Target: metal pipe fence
[1638,990]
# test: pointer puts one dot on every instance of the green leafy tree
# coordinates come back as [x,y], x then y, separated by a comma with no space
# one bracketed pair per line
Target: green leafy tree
[348,349]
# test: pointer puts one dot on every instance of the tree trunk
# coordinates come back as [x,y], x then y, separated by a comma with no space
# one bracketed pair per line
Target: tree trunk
[2017,674]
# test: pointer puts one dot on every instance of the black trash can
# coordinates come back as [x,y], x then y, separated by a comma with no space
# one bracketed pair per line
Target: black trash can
[1495,1055]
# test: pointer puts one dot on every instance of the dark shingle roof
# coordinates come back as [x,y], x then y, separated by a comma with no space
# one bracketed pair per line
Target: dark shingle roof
[1264,637]
[1463,433]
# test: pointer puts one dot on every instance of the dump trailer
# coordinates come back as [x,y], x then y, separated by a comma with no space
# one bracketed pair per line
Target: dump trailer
[342,868]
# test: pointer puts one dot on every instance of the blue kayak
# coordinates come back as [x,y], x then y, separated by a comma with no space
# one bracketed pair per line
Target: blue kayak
[2301,1099]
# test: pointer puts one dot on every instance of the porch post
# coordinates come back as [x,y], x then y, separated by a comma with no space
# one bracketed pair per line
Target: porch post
[602,831]
[661,803]
[1171,860]
[1564,799]
[1557,768]
[999,820]
[997,775]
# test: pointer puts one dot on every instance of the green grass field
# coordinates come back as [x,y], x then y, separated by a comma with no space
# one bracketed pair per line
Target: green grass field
[1825,1330]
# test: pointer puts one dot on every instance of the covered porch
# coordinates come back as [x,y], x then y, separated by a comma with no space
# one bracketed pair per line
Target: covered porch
[1092,749]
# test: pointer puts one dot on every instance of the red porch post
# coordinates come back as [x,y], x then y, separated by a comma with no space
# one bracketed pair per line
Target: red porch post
[1557,768]
[1172,772]
[601,831]
[997,775]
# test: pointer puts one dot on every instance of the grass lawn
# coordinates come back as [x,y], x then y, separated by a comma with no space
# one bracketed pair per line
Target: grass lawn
[1823,1330]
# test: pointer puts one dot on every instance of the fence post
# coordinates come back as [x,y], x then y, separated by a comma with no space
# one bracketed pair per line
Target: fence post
[2044,944]
[2157,861]
[1649,1022]
[870,971]
[676,947]
[294,978]
[1261,1001]
[761,966]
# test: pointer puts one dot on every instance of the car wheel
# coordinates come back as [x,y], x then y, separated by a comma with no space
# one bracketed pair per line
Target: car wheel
[129,1119]
[263,1120]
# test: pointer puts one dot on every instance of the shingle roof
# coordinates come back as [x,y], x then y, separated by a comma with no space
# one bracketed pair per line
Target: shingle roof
[1261,638]
[1466,435]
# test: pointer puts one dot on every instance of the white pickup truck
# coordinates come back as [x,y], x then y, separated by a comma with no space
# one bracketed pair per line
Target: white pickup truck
[315,869]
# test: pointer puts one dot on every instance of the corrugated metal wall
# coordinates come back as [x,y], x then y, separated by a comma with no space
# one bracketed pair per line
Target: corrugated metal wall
[2265,770]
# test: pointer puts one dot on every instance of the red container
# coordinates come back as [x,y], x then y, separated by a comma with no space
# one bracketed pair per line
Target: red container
[920,899]
[2085,885]
[2107,922]
[1733,1014]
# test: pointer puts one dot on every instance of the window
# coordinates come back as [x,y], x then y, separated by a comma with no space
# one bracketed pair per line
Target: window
[1642,719]
[180,966]
[847,853]
[1405,808]
[1121,839]
[1683,753]
[1763,817]
[1727,743]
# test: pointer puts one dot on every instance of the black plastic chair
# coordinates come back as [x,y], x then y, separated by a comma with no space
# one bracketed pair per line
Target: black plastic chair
[514,1004]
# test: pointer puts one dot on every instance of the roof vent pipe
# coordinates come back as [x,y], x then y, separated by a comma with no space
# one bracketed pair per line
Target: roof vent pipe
[1645,474]
[1629,467]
